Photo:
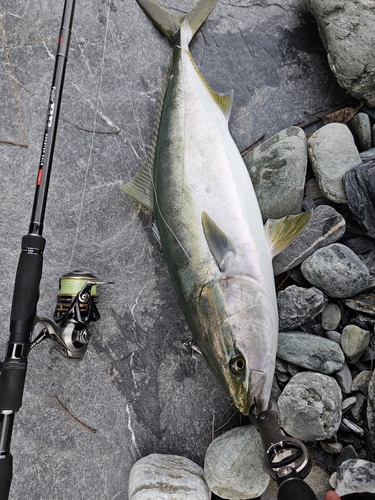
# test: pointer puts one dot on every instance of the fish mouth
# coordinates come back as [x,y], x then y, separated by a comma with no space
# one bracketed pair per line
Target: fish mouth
[256,393]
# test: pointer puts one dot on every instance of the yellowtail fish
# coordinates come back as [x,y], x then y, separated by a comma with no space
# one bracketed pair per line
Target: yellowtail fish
[218,252]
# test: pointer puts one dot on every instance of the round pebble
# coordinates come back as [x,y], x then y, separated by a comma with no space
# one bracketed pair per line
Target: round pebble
[354,342]
[336,270]
[167,477]
[344,378]
[310,351]
[332,152]
[361,381]
[355,476]
[312,189]
[362,127]
[331,317]
[332,448]
[348,403]
[298,305]
[306,411]
[277,169]
[234,464]
[333,335]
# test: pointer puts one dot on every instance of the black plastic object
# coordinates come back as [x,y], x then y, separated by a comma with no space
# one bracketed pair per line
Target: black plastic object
[26,288]
[295,488]
[359,496]
[6,469]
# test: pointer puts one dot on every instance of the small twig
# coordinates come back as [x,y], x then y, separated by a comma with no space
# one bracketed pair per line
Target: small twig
[311,122]
[94,431]
[227,422]
[12,143]
[213,427]
[282,282]
[114,132]
[229,419]
[251,147]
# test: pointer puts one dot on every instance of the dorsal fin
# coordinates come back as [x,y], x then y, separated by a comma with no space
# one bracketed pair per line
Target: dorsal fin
[170,23]
[141,187]
[281,232]
[220,245]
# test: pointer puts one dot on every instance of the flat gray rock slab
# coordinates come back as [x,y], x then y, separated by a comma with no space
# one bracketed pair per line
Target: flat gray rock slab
[138,386]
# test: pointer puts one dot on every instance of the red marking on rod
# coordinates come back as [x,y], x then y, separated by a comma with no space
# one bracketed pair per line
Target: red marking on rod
[61,40]
[39,177]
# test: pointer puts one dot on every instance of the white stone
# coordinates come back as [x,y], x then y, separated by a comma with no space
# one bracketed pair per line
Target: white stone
[332,153]
[310,406]
[234,465]
[167,477]
[355,476]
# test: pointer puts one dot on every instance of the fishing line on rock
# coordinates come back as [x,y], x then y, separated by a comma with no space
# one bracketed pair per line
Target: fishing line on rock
[92,137]
[142,143]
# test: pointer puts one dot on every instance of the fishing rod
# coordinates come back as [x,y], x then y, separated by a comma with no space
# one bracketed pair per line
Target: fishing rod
[77,298]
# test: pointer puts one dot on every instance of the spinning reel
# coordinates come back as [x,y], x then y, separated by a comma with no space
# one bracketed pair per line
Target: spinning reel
[75,309]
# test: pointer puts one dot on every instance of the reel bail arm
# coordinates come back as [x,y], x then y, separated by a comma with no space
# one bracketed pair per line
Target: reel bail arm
[286,458]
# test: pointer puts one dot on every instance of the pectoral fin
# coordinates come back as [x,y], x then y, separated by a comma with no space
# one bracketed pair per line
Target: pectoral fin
[281,232]
[220,245]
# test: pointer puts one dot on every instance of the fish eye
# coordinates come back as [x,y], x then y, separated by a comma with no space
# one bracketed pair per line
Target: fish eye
[237,364]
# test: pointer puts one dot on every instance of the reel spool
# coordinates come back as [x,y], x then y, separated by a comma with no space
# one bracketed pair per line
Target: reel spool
[77,298]
[75,308]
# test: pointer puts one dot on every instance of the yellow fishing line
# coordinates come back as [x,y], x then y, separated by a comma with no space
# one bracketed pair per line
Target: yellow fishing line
[72,286]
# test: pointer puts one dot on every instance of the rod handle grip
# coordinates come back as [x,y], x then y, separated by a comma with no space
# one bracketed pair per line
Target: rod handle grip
[26,288]
[6,470]
[12,383]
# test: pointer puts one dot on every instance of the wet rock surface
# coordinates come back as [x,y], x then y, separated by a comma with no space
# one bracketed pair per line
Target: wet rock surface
[353,63]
